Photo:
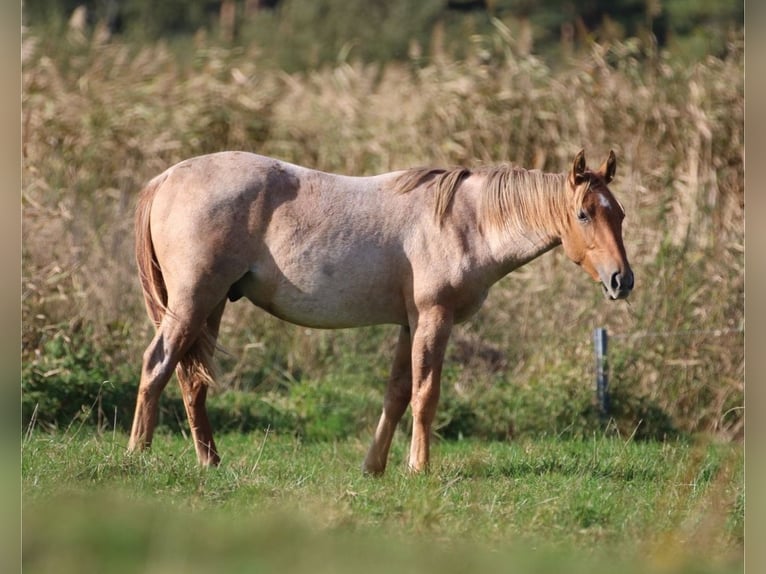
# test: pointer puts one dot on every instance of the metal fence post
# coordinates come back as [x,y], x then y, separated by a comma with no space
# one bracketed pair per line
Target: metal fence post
[600,339]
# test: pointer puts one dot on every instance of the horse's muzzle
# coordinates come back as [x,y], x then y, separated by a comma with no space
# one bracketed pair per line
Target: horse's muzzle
[619,285]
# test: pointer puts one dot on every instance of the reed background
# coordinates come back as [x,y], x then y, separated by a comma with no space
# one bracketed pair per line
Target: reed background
[102,115]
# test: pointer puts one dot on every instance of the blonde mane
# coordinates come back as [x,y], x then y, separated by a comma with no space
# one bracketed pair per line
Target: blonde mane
[444,183]
[513,198]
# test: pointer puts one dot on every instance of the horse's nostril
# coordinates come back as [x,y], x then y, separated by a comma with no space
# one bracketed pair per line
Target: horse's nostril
[628,280]
[620,282]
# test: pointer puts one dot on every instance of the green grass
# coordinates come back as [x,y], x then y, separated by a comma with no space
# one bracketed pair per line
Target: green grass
[279,504]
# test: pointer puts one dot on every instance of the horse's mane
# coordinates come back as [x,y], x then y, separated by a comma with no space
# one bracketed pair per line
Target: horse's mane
[512,197]
[444,183]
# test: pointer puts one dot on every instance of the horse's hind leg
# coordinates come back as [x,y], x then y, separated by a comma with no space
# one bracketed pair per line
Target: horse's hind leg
[195,373]
[172,339]
[395,403]
[176,334]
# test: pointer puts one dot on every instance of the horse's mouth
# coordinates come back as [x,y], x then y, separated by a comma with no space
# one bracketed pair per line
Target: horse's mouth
[615,294]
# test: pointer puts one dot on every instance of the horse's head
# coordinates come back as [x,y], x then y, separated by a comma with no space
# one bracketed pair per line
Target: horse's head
[592,234]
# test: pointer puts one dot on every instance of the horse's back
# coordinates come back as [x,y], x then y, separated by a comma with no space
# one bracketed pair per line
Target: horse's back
[228,176]
[241,177]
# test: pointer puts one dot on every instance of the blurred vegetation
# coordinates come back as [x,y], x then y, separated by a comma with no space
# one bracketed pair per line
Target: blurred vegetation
[102,113]
[296,34]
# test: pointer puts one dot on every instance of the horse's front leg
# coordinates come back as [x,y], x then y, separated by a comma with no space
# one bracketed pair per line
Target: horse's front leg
[395,403]
[431,332]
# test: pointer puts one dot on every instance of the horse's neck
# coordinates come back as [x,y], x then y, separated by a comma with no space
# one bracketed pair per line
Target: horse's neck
[528,238]
[521,246]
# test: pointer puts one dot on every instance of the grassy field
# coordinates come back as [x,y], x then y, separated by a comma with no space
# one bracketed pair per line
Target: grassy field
[102,117]
[279,504]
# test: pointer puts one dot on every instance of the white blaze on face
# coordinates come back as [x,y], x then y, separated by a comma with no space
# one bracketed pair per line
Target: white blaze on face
[604,201]
[609,203]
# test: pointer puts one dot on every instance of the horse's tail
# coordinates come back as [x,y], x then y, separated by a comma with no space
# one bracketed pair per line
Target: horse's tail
[149,272]
[197,364]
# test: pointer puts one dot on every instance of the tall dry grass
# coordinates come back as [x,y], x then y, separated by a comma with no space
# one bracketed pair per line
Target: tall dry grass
[101,118]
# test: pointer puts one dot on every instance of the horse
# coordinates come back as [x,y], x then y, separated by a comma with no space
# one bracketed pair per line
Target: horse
[418,248]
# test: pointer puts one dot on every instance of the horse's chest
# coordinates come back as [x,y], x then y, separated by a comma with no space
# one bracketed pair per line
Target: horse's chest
[470,306]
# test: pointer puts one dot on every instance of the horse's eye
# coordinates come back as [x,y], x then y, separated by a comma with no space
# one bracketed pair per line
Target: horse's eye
[582,216]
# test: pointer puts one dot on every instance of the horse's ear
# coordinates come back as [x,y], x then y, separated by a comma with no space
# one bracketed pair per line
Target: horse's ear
[609,167]
[577,176]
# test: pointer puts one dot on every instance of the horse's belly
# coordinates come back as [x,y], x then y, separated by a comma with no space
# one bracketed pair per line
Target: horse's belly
[329,314]
[326,302]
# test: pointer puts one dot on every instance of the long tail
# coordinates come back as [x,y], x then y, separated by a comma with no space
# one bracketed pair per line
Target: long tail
[197,364]
[149,272]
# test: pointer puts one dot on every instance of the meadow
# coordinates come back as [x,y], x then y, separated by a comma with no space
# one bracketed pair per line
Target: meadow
[278,503]
[527,473]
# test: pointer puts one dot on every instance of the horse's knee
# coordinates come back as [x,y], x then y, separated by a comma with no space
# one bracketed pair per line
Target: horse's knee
[398,395]
[425,401]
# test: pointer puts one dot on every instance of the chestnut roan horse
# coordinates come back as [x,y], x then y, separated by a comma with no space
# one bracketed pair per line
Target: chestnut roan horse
[418,248]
